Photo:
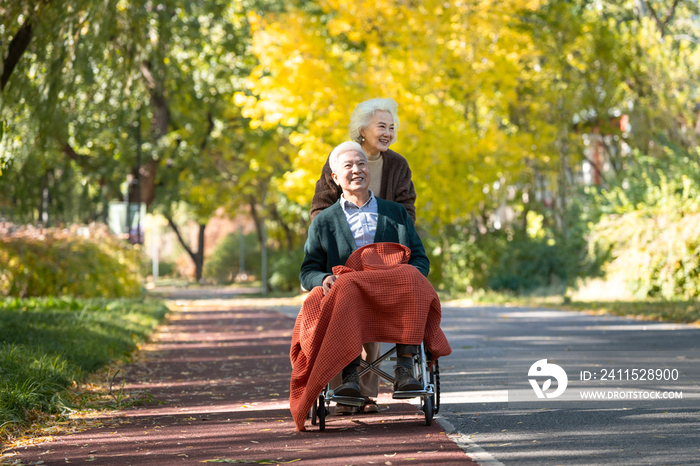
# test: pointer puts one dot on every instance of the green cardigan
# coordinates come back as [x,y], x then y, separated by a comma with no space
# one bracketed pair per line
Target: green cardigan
[330,241]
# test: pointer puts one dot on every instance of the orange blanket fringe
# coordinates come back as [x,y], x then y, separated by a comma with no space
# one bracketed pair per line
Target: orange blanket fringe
[377,297]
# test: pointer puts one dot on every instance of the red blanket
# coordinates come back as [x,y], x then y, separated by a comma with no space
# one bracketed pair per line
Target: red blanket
[377,297]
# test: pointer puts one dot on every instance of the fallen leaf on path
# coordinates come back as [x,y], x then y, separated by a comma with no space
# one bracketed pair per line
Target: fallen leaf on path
[389,456]
[222,460]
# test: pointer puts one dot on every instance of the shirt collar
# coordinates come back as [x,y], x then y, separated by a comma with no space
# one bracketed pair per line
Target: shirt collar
[344,203]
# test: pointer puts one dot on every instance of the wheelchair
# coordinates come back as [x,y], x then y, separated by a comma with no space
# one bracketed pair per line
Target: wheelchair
[430,394]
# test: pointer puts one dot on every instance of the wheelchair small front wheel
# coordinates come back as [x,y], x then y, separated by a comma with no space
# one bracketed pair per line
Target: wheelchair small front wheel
[314,413]
[428,410]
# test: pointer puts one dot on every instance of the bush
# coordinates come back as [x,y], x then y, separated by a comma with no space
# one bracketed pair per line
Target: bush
[649,232]
[285,269]
[165,268]
[222,266]
[78,262]
[501,261]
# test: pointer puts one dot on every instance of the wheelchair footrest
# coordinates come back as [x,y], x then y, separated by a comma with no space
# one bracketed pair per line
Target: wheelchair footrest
[402,395]
[348,400]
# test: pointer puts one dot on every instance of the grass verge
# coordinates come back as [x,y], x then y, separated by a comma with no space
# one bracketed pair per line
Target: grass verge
[649,309]
[48,343]
[668,311]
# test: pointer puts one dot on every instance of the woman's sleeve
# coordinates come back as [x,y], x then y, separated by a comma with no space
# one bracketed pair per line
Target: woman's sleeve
[405,192]
[419,259]
[326,193]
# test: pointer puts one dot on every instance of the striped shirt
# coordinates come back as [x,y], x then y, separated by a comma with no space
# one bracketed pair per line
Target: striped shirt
[361,220]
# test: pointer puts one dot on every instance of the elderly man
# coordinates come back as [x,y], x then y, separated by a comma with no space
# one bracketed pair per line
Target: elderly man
[358,219]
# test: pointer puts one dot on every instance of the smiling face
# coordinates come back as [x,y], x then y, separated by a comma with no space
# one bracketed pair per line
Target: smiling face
[379,134]
[352,172]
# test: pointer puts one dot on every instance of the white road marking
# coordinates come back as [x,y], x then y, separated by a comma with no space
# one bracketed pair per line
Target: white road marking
[476,396]
[470,447]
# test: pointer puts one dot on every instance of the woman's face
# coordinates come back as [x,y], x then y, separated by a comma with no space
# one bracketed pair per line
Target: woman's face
[379,134]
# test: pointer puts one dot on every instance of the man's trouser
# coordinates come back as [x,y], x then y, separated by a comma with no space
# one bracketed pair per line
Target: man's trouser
[369,383]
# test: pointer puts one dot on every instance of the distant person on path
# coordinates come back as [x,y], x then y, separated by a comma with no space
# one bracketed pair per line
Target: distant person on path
[373,125]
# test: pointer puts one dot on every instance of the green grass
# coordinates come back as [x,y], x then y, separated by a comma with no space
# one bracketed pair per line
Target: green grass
[652,309]
[47,343]
[669,311]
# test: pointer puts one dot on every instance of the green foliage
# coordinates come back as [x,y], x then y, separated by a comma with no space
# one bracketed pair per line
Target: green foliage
[222,266]
[48,343]
[501,262]
[165,268]
[51,262]
[283,265]
[649,229]
[285,268]
[663,310]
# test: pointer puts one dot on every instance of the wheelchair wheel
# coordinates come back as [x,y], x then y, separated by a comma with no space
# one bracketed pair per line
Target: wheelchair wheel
[435,380]
[321,412]
[428,409]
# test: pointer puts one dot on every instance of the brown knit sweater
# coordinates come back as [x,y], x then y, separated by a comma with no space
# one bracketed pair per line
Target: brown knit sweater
[396,186]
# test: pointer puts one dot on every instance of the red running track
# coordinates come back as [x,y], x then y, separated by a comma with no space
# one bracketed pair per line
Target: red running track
[219,376]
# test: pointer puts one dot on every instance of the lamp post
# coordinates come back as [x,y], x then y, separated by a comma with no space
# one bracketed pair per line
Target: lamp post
[129,180]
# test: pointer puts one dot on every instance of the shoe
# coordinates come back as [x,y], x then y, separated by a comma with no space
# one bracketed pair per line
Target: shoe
[350,386]
[404,380]
[342,410]
[370,406]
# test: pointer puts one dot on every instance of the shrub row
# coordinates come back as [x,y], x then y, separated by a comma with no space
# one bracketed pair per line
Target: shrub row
[79,262]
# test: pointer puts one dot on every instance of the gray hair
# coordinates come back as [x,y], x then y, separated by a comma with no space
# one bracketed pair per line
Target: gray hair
[347,146]
[364,112]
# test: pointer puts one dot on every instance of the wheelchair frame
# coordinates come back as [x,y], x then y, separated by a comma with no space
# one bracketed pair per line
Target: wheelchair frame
[430,394]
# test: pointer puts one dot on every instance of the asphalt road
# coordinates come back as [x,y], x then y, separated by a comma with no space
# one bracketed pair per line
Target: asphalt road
[227,364]
[475,380]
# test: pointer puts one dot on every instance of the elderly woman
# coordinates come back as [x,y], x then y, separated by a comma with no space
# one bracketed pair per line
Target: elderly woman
[358,219]
[373,125]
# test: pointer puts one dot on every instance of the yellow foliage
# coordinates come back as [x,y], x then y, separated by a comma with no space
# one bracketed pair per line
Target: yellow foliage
[452,67]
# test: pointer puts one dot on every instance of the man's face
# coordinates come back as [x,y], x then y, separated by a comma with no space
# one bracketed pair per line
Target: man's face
[352,172]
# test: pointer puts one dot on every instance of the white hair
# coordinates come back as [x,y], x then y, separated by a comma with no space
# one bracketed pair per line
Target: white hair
[347,146]
[364,112]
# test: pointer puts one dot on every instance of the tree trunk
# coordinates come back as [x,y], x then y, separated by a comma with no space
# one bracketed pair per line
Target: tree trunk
[287,231]
[256,219]
[160,124]
[197,257]
[262,237]
[17,47]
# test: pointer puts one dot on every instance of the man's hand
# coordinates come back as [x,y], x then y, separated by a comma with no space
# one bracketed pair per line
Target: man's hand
[327,283]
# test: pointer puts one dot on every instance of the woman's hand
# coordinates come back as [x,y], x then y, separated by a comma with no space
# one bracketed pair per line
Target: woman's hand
[327,283]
